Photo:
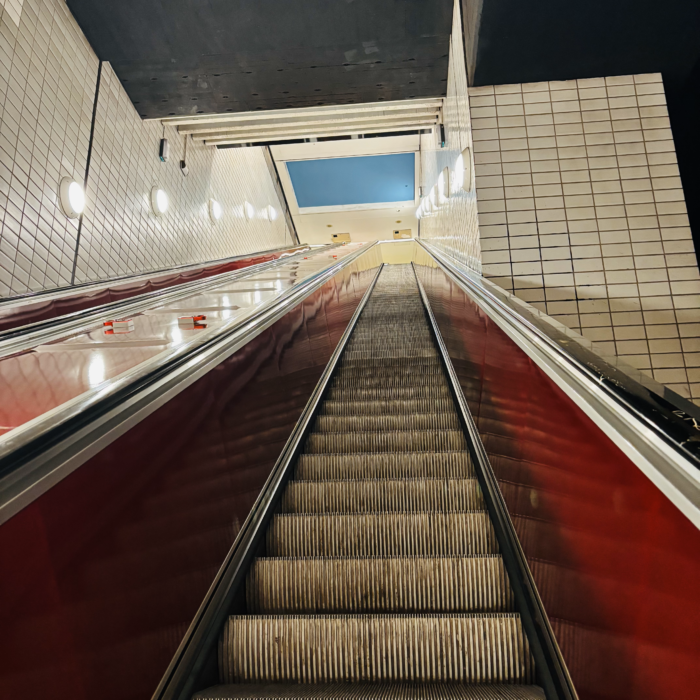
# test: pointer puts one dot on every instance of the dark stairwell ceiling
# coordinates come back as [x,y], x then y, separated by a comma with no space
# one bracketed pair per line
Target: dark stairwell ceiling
[202,56]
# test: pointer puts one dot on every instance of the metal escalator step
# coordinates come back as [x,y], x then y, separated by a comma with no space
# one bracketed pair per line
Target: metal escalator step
[390,351]
[374,423]
[392,371]
[387,406]
[380,534]
[358,393]
[394,441]
[376,584]
[383,496]
[371,691]
[383,466]
[395,362]
[476,648]
[389,381]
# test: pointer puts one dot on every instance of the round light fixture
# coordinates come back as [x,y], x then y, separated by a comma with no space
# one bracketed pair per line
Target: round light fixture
[249,210]
[216,211]
[72,198]
[271,212]
[159,201]
[443,185]
[433,198]
[466,169]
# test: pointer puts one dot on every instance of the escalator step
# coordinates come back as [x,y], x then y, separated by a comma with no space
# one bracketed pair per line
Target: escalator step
[381,534]
[357,393]
[390,351]
[371,691]
[388,380]
[386,406]
[412,363]
[383,466]
[383,496]
[477,648]
[374,423]
[394,441]
[375,584]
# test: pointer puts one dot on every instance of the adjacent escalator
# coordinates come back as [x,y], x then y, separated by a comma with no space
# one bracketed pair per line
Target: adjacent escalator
[381,575]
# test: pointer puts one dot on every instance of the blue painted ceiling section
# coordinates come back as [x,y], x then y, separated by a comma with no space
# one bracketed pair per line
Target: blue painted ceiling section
[358,180]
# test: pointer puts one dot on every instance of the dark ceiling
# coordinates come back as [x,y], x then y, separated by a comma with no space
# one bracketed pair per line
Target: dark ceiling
[182,57]
[517,42]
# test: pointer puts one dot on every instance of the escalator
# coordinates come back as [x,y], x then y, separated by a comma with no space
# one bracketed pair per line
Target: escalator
[381,574]
[365,480]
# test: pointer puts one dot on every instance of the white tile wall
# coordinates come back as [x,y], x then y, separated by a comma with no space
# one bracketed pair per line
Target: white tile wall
[47,86]
[582,214]
[121,235]
[454,227]
[48,74]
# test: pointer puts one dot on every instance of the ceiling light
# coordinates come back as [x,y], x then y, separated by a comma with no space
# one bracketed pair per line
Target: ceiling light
[249,210]
[433,198]
[216,211]
[159,201]
[271,213]
[72,198]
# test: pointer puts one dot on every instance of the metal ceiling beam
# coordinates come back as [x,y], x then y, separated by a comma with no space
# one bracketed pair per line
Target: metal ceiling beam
[311,122]
[353,127]
[374,130]
[304,112]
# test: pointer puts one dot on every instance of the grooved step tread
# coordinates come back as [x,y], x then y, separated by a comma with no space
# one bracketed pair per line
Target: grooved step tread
[381,407]
[387,441]
[477,648]
[371,691]
[385,465]
[415,421]
[381,534]
[378,584]
[382,495]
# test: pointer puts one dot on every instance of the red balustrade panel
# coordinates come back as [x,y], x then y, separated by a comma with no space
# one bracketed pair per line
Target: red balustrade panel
[102,575]
[616,563]
[44,309]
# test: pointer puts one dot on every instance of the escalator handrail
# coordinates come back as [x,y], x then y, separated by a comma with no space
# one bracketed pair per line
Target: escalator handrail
[24,338]
[189,659]
[660,437]
[62,292]
[37,455]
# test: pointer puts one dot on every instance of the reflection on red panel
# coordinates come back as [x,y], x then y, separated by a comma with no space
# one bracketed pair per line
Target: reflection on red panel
[42,310]
[102,575]
[616,564]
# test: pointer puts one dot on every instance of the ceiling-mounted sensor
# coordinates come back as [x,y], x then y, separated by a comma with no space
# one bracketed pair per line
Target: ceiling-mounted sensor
[164,150]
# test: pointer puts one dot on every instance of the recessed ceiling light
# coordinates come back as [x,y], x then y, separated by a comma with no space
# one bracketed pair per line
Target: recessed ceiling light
[271,212]
[72,198]
[249,210]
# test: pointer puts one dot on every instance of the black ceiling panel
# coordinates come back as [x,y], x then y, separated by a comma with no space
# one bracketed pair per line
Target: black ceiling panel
[200,56]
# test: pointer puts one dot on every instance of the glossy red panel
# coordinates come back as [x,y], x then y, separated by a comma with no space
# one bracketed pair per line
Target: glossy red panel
[44,309]
[102,575]
[616,564]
